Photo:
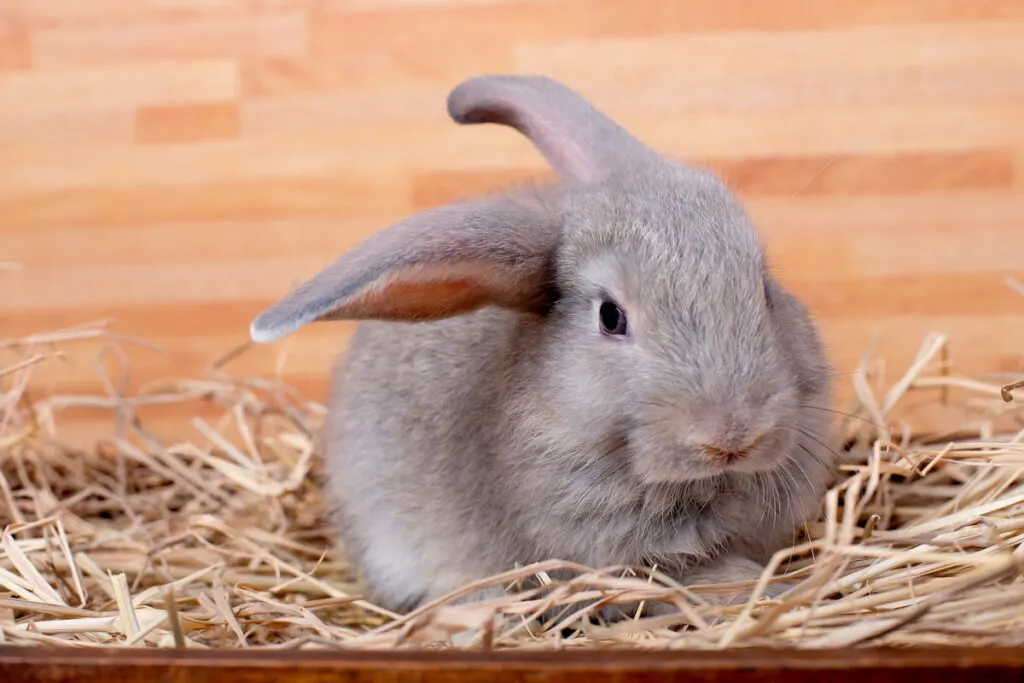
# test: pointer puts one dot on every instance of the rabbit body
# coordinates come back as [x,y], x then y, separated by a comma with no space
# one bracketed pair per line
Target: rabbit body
[512,424]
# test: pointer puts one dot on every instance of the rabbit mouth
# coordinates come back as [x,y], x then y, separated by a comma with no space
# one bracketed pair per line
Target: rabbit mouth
[663,463]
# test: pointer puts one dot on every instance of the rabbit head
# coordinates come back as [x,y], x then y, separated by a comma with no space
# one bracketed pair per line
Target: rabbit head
[664,330]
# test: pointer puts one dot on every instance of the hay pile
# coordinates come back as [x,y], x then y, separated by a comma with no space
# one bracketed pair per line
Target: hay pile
[222,542]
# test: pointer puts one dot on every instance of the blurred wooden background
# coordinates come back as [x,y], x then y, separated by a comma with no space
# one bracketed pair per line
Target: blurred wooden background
[178,164]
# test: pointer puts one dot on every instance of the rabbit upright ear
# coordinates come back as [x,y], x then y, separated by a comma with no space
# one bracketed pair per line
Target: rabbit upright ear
[580,142]
[439,263]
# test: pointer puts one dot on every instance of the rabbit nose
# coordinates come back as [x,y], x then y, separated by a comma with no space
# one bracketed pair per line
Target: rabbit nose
[731,454]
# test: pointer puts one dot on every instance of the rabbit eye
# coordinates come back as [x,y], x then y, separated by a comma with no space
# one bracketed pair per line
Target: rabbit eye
[613,320]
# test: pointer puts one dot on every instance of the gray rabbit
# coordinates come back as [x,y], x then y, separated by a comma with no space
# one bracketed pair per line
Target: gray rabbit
[601,370]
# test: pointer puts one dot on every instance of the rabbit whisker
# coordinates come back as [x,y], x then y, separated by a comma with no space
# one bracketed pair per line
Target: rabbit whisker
[840,412]
[840,373]
[817,438]
[803,431]
[805,449]
[762,496]
[789,483]
[766,490]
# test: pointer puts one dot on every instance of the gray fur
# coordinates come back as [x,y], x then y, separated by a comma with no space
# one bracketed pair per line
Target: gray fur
[459,445]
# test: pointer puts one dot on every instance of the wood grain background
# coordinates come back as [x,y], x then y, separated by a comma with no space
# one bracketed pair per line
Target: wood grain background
[179,164]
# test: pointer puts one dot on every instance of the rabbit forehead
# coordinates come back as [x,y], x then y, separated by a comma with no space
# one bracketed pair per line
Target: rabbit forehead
[664,233]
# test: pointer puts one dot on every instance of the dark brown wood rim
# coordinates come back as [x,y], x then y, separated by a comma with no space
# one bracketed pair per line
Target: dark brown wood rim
[40,664]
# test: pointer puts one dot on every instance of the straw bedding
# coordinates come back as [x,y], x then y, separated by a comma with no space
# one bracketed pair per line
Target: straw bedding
[222,542]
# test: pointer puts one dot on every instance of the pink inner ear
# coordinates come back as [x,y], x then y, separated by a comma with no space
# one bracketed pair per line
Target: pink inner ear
[431,292]
[413,300]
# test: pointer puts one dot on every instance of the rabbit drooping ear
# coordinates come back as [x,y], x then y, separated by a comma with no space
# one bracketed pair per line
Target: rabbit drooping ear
[439,263]
[580,142]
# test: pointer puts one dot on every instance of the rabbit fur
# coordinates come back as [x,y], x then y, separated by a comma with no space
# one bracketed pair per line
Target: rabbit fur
[485,416]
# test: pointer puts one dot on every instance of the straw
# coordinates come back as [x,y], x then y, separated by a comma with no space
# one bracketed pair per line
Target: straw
[220,538]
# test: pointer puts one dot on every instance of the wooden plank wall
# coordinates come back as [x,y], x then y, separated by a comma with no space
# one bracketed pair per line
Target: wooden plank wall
[179,164]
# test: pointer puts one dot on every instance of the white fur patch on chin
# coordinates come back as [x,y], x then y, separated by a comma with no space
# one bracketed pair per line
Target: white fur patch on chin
[682,473]
[666,469]
[753,465]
